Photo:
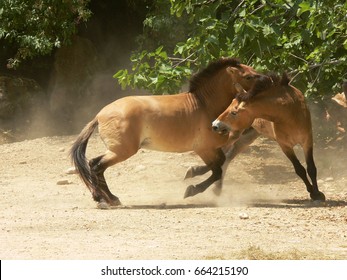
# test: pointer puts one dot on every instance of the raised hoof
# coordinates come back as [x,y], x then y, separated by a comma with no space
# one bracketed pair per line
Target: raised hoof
[190,191]
[319,196]
[217,191]
[189,173]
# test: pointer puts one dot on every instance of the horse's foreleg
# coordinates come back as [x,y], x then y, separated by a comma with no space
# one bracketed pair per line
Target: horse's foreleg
[193,190]
[217,172]
[246,139]
[230,151]
[196,171]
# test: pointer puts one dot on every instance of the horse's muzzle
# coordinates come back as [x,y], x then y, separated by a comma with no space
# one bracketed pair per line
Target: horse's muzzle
[220,127]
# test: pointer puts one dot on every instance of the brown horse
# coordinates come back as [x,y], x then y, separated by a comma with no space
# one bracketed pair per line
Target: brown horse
[273,99]
[171,123]
[234,148]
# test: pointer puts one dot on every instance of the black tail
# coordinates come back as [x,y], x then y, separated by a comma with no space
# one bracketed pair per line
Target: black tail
[78,155]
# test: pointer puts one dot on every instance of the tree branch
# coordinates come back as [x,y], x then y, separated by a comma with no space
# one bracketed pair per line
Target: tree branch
[296,72]
[182,60]
[207,2]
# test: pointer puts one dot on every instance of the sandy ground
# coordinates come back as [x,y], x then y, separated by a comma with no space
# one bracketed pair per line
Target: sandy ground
[263,208]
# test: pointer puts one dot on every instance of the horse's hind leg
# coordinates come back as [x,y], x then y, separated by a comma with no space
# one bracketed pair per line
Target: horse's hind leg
[312,172]
[301,172]
[98,166]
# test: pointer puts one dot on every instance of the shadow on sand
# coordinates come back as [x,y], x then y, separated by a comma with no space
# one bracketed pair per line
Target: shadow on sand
[297,203]
[266,203]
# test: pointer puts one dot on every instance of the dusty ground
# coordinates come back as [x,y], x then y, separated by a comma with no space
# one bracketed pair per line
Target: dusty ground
[263,212]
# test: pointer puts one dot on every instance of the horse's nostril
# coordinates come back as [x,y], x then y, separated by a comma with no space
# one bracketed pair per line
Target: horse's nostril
[215,127]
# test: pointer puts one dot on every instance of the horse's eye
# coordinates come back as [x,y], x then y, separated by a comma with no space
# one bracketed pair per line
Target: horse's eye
[249,77]
[233,113]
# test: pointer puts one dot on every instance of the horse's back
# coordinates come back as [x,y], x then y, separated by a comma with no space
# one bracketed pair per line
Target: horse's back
[122,106]
[164,123]
[135,104]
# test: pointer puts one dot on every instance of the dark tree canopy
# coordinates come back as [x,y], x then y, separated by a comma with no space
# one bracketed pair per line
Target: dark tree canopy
[308,39]
[36,27]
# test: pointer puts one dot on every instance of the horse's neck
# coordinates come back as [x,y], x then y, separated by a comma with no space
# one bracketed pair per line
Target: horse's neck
[267,107]
[214,100]
[192,103]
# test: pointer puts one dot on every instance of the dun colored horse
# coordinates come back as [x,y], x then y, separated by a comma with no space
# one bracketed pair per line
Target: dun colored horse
[170,123]
[273,99]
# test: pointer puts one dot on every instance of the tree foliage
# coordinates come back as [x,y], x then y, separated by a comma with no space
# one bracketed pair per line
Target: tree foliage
[35,27]
[307,38]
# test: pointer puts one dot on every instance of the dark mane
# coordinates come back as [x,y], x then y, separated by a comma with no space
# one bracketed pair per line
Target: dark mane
[210,70]
[285,80]
[279,80]
[263,83]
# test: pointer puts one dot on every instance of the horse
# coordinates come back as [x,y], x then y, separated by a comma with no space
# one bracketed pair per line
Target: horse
[233,148]
[168,123]
[273,98]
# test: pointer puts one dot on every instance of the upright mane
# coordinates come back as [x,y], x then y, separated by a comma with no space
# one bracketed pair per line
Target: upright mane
[210,70]
[263,83]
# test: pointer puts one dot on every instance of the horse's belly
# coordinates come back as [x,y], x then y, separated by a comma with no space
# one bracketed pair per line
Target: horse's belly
[169,144]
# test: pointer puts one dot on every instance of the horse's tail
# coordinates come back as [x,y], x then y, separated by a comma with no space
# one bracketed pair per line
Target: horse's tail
[78,154]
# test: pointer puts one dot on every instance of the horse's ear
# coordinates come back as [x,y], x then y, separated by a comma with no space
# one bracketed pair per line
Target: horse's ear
[240,89]
[231,69]
[241,105]
[235,104]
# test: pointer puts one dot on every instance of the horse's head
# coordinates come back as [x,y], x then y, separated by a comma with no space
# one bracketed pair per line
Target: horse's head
[236,118]
[243,75]
[220,76]
[240,113]
[215,85]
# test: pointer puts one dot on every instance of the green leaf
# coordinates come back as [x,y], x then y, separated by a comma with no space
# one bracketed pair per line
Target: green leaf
[120,73]
[267,30]
[345,44]
[288,36]
[303,7]
[180,48]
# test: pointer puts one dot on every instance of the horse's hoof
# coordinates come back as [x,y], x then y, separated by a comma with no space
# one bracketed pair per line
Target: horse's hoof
[103,205]
[189,173]
[190,191]
[318,196]
[217,191]
[115,202]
